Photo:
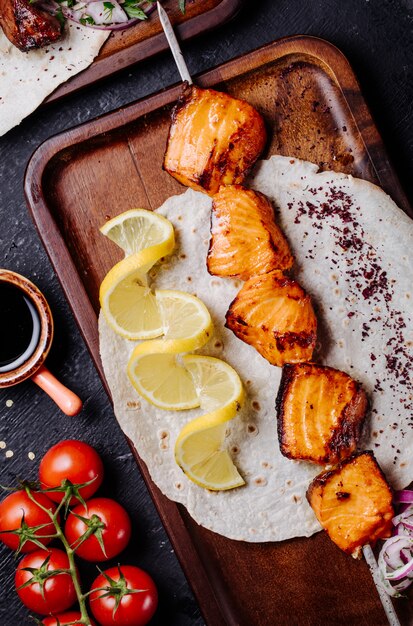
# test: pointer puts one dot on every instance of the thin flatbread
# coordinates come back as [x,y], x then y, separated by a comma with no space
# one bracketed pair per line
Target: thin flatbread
[26,78]
[351,244]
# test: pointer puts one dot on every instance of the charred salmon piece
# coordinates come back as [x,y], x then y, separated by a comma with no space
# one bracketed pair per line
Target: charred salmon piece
[245,240]
[274,314]
[353,503]
[214,139]
[320,413]
[27,26]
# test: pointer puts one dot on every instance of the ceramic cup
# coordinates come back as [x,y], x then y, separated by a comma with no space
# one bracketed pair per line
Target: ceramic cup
[33,366]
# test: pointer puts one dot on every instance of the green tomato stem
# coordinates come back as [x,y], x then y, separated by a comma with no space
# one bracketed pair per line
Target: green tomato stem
[85,619]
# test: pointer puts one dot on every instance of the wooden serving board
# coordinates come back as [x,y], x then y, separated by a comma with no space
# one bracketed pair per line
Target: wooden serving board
[145,39]
[314,110]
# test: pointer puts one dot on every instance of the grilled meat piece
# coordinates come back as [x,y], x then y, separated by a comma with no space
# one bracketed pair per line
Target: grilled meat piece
[353,503]
[214,139]
[245,240]
[320,413]
[274,314]
[27,26]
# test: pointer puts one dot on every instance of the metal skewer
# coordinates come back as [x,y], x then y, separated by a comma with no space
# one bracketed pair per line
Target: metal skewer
[174,45]
[185,76]
[385,599]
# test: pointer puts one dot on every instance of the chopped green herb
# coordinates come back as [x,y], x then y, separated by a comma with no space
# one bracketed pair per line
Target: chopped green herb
[87,19]
[108,10]
[182,5]
[131,8]
[60,17]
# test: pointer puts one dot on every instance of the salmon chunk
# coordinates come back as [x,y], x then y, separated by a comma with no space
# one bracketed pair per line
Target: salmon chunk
[245,240]
[214,139]
[274,314]
[320,413]
[353,503]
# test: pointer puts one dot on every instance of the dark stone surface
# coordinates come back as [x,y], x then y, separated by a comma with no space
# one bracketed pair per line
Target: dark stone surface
[376,36]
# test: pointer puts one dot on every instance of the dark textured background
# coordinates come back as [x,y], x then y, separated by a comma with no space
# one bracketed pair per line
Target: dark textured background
[376,36]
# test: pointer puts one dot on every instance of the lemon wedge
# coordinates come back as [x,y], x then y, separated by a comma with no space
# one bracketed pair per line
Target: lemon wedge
[200,446]
[138,229]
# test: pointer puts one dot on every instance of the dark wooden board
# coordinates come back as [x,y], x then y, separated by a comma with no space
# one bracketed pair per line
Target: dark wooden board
[314,110]
[144,40]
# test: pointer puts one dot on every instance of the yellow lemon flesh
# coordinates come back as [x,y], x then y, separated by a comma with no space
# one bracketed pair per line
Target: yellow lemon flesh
[205,462]
[127,302]
[154,367]
[199,448]
[138,229]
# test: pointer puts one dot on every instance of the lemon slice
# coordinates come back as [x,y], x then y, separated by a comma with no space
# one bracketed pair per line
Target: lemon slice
[184,317]
[204,460]
[155,369]
[138,229]
[217,383]
[127,302]
[200,446]
[161,380]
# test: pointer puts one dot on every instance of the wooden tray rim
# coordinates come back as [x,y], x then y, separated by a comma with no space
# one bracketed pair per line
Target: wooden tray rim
[214,610]
[102,68]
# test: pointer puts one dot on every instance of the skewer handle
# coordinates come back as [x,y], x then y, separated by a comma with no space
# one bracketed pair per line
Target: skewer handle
[384,597]
[174,45]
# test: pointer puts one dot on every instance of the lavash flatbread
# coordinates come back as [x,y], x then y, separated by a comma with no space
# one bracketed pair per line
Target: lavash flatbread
[365,329]
[26,78]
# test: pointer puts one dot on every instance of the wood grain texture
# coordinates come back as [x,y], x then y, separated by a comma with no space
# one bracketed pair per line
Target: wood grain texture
[145,39]
[314,110]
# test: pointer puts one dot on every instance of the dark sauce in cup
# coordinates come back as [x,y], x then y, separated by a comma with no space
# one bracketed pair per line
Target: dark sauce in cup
[19,327]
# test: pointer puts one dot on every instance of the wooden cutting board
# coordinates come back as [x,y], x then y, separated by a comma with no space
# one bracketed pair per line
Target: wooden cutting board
[145,39]
[314,110]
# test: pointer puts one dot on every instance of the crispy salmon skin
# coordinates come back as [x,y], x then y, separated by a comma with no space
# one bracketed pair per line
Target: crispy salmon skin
[353,503]
[275,315]
[320,413]
[245,240]
[214,139]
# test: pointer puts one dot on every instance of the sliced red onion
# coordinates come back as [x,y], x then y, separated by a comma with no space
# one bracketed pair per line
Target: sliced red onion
[405,495]
[396,564]
[106,13]
[99,18]
[402,516]
[401,572]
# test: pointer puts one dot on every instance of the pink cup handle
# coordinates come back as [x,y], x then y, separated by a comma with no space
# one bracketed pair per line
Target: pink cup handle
[65,399]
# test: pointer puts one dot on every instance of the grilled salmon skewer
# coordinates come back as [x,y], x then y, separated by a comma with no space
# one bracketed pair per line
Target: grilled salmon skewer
[245,240]
[274,314]
[320,413]
[353,503]
[214,139]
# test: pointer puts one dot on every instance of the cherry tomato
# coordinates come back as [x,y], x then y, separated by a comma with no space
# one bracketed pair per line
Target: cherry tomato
[59,591]
[64,618]
[135,609]
[74,460]
[18,509]
[112,523]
